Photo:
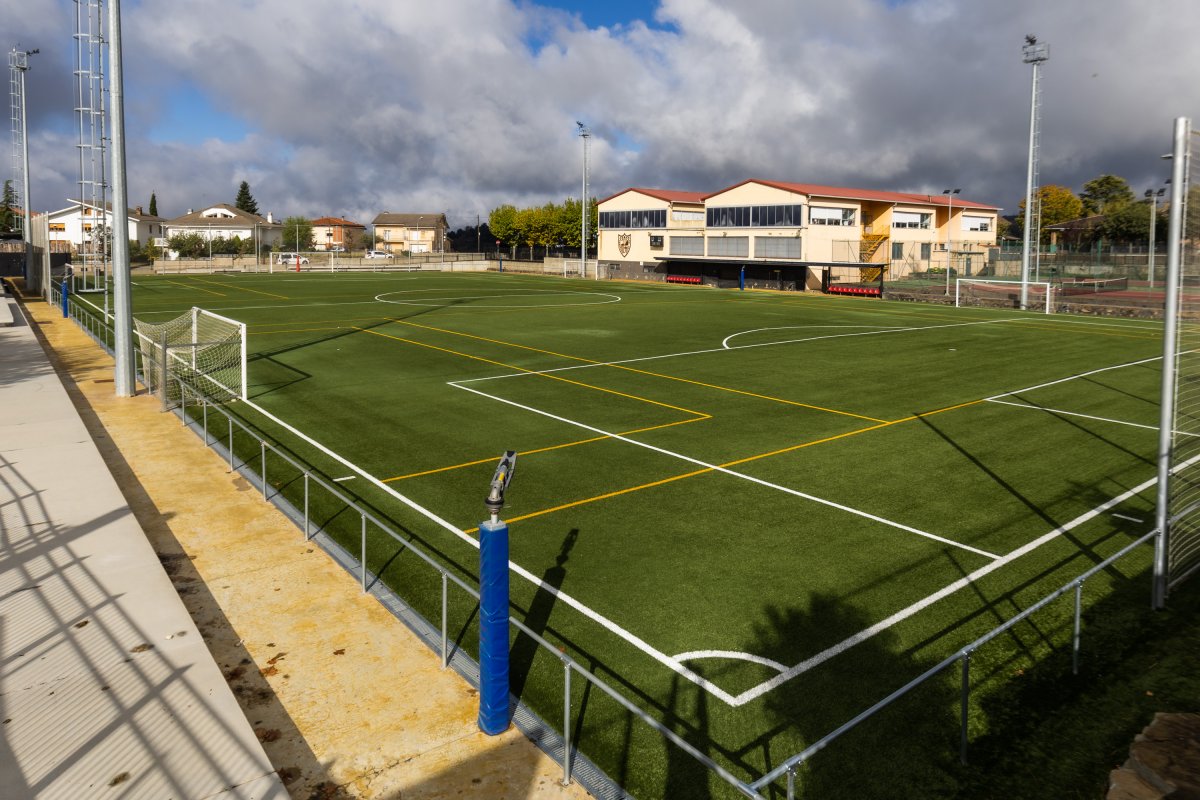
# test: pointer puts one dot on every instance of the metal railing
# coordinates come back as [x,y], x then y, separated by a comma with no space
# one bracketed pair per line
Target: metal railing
[100,331]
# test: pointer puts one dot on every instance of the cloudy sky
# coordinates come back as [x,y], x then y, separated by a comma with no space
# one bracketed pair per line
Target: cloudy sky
[362,106]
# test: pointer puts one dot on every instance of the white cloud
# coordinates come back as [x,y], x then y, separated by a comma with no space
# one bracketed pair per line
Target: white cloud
[378,105]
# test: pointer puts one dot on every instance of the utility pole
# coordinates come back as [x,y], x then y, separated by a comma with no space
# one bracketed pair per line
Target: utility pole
[124,378]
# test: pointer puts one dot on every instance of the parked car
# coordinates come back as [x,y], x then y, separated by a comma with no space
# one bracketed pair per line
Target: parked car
[290,258]
[337,248]
[377,254]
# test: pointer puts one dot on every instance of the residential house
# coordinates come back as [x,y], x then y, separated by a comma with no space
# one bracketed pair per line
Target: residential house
[74,226]
[334,232]
[412,233]
[223,221]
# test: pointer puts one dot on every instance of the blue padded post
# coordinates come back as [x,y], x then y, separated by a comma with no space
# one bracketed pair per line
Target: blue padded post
[742,279]
[493,627]
[66,292]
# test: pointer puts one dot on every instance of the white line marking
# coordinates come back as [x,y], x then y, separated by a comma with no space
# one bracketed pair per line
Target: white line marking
[1128,518]
[345,478]
[734,473]
[714,350]
[696,655]
[903,614]
[725,341]
[595,616]
[435,304]
[1083,416]
[1074,377]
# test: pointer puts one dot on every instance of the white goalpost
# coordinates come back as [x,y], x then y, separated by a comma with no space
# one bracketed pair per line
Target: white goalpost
[996,292]
[203,350]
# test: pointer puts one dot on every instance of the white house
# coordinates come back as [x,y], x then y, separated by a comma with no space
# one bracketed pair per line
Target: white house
[76,222]
[223,221]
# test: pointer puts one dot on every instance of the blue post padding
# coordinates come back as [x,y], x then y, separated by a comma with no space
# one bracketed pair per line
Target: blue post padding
[66,292]
[493,627]
[742,279]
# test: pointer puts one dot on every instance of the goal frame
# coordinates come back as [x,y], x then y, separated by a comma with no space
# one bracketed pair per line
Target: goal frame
[958,282]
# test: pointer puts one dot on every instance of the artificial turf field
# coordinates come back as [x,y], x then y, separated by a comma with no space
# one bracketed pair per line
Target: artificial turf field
[755,513]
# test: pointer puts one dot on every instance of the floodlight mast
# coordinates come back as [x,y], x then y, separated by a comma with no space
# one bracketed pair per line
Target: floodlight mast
[1033,53]
[18,61]
[585,134]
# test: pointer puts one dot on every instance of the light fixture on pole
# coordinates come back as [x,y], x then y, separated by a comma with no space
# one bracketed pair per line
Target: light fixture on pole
[585,134]
[1153,196]
[949,237]
[1032,53]
[18,61]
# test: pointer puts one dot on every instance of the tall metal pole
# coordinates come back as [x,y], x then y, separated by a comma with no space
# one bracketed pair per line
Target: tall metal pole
[122,304]
[949,236]
[20,59]
[1166,420]
[1034,54]
[585,134]
[1153,219]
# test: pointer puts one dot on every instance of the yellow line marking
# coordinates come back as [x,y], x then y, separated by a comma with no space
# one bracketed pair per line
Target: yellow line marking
[734,463]
[535,372]
[200,288]
[643,372]
[492,459]
[1152,335]
[243,288]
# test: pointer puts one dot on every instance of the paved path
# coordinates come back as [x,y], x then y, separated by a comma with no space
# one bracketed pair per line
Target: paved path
[345,700]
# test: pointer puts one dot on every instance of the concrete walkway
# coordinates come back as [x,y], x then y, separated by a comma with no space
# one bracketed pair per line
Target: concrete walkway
[344,699]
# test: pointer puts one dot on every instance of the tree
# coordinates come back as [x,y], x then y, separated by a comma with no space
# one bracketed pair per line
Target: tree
[297,234]
[366,241]
[1105,195]
[502,222]
[8,214]
[1129,224]
[245,201]
[153,205]
[1059,204]
[188,245]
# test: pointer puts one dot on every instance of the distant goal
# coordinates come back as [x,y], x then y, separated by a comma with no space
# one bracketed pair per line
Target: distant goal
[993,293]
[203,351]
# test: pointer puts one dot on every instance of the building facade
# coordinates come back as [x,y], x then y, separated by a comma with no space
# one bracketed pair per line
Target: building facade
[223,221]
[332,233]
[791,234]
[79,225]
[410,233]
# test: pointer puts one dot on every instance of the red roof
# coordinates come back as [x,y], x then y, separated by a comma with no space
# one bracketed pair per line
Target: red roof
[669,195]
[336,221]
[847,193]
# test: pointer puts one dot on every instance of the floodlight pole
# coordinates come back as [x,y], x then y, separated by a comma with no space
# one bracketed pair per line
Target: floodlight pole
[19,61]
[124,379]
[949,239]
[1166,420]
[1035,54]
[585,134]
[1150,193]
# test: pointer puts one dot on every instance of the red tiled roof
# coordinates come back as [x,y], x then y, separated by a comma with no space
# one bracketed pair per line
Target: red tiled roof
[336,221]
[669,195]
[817,190]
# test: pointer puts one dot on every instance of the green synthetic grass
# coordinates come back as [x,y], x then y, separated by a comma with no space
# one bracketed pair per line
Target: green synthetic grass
[872,407]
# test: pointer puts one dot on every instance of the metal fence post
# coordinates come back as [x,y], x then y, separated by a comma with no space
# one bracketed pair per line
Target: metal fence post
[1075,639]
[966,700]
[204,408]
[306,536]
[230,419]
[364,553]
[791,783]
[445,638]
[162,367]
[566,723]
[263,446]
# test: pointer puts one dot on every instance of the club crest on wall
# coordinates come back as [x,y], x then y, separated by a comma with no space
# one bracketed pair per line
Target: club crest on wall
[624,240]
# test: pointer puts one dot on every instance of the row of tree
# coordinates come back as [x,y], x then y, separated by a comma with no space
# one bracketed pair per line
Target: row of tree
[548,226]
[1122,217]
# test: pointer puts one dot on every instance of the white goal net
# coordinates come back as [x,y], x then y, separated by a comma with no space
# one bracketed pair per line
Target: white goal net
[994,293]
[198,349]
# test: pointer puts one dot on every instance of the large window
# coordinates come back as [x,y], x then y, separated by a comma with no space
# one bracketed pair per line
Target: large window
[755,217]
[911,219]
[897,251]
[649,218]
[818,215]
[687,216]
[776,247]
[687,246]
[981,224]
[729,246]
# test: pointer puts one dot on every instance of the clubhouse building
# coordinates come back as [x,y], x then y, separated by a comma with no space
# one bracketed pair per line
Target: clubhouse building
[790,235]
